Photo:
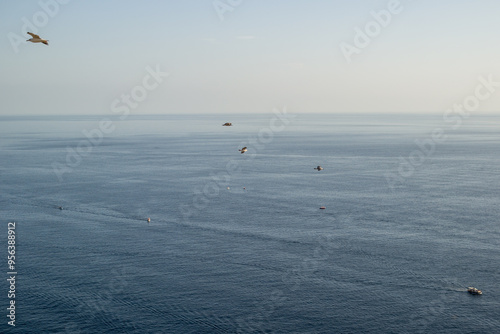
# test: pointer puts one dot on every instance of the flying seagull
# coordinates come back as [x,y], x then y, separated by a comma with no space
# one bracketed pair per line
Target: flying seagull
[319,168]
[227,124]
[243,150]
[36,39]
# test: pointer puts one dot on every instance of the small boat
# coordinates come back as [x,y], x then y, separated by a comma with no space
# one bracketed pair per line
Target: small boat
[322,208]
[474,291]
[227,124]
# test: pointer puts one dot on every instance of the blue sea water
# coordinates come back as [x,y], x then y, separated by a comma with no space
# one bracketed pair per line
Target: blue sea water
[237,242]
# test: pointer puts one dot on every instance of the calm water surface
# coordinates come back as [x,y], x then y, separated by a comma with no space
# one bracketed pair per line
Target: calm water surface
[237,242]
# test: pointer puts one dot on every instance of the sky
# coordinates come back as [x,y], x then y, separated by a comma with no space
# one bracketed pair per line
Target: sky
[248,56]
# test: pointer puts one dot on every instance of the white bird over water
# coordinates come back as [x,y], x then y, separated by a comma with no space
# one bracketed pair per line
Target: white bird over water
[36,39]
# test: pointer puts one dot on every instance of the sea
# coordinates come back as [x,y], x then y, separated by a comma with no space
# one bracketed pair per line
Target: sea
[237,242]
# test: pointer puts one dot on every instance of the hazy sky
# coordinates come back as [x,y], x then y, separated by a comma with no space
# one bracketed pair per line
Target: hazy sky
[247,56]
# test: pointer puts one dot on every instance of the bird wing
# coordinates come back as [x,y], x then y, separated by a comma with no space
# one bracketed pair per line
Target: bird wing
[244,148]
[45,42]
[33,35]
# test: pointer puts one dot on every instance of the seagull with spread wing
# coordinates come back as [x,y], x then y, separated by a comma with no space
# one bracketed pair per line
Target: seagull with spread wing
[36,39]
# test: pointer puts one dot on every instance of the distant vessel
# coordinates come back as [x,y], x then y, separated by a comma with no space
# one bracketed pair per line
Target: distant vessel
[474,291]
[322,208]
